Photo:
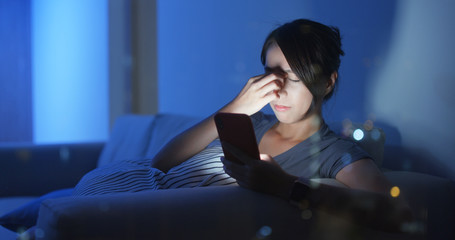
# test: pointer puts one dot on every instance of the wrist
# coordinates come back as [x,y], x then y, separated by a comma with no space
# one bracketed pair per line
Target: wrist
[299,191]
[236,107]
[287,186]
[229,108]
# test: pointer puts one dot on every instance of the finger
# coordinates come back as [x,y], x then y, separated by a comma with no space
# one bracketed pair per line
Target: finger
[268,98]
[234,170]
[255,78]
[265,157]
[250,82]
[232,166]
[238,176]
[261,82]
[278,74]
[271,87]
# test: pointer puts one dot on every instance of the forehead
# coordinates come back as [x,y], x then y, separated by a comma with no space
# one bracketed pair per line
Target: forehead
[275,58]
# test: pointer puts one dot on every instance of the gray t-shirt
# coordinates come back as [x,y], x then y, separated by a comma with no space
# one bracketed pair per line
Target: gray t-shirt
[322,155]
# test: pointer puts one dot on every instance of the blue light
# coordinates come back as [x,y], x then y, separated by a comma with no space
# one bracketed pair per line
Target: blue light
[375,134]
[358,134]
[70,70]
[264,232]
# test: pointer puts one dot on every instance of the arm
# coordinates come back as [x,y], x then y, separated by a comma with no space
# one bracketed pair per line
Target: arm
[364,175]
[188,143]
[257,93]
[365,204]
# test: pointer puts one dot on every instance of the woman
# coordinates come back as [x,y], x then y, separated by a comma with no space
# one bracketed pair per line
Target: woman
[301,61]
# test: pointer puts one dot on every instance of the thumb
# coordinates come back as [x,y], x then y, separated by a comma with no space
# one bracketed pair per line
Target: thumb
[269,159]
[266,157]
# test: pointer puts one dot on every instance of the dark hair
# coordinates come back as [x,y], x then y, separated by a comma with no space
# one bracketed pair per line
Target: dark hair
[312,50]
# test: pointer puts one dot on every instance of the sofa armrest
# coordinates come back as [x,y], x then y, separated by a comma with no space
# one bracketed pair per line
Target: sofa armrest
[32,170]
[224,212]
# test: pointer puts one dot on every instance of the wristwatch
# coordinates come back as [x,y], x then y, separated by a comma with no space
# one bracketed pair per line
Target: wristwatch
[298,192]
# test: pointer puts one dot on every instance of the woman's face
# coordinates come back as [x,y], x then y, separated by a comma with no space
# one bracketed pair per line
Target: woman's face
[295,98]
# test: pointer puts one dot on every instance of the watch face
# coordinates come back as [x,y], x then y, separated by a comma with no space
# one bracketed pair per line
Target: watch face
[298,192]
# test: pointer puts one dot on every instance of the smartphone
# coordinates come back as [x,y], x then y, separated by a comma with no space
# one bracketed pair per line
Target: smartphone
[237,130]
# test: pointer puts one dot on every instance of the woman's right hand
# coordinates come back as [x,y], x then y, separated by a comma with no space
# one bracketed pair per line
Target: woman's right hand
[258,92]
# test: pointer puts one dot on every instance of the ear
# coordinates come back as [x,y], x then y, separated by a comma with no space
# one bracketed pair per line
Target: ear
[331,83]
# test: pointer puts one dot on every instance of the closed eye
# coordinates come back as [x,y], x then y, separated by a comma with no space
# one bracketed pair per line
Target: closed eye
[293,80]
[270,70]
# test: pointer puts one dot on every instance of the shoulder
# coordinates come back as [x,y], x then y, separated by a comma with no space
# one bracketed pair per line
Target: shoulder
[344,149]
[336,142]
[339,152]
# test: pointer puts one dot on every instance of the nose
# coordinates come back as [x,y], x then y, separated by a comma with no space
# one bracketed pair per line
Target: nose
[283,90]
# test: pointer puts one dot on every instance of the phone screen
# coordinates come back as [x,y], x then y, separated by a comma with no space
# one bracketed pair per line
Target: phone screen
[237,130]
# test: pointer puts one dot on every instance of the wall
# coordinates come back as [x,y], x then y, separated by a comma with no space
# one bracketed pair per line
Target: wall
[207,50]
[70,70]
[15,79]
[413,88]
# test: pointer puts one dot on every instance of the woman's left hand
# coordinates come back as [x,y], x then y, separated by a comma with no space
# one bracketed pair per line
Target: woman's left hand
[262,175]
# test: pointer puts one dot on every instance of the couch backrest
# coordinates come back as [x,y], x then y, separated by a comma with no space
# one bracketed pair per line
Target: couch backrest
[165,128]
[144,135]
[135,136]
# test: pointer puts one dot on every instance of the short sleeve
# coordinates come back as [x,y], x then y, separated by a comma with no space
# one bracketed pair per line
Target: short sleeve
[342,153]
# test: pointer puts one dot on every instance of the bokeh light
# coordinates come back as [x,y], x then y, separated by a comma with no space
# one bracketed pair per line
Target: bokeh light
[358,134]
[375,134]
[395,191]
[39,233]
[23,155]
[64,154]
[368,125]
[306,214]
[264,232]
[347,127]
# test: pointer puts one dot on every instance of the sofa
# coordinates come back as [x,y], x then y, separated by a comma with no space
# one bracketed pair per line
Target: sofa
[36,182]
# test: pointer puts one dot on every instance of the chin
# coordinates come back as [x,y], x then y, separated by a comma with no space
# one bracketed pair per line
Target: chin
[284,118]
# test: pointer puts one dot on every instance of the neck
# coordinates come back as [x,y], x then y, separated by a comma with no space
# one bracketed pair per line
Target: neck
[300,130]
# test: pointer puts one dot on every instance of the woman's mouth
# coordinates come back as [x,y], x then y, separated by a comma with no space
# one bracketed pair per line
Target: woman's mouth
[281,108]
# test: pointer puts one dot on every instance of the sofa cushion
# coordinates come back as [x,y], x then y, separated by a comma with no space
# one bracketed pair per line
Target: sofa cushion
[26,215]
[129,138]
[136,136]
[165,127]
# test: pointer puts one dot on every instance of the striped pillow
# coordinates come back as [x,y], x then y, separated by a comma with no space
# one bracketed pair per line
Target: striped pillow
[203,169]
